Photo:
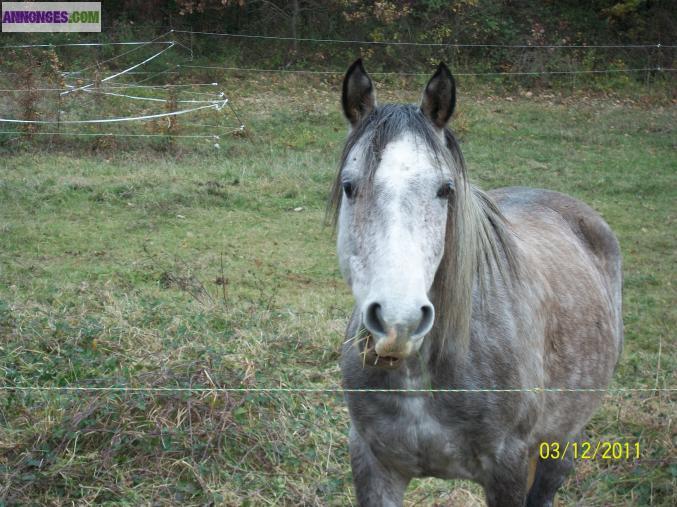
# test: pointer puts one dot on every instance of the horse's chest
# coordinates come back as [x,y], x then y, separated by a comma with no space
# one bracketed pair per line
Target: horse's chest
[416,440]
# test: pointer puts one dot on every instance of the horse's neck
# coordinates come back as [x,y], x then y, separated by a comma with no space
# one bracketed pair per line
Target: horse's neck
[449,359]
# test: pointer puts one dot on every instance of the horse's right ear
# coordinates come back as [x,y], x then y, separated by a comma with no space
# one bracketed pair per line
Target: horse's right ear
[358,96]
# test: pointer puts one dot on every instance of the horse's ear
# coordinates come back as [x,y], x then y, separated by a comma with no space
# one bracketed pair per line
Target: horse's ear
[358,96]
[439,97]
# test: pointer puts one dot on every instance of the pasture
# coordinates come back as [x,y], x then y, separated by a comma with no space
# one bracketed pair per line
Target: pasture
[197,267]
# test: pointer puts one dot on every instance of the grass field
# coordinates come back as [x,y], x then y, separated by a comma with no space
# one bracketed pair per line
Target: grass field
[200,267]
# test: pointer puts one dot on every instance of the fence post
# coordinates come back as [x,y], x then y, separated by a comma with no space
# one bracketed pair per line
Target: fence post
[57,77]
[98,140]
[29,111]
[172,128]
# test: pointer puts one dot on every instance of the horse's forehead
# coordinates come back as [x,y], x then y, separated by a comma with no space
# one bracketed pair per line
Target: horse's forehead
[403,158]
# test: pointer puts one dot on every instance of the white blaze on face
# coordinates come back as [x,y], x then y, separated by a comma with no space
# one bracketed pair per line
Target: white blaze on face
[390,241]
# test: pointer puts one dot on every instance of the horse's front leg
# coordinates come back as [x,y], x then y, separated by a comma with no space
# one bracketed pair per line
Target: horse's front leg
[376,485]
[506,484]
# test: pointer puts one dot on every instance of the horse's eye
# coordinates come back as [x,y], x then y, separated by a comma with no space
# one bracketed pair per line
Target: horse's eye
[349,189]
[445,190]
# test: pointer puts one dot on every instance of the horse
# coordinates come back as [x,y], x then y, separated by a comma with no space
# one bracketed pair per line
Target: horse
[485,323]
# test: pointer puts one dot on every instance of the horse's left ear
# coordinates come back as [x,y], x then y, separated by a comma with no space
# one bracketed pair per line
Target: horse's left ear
[439,97]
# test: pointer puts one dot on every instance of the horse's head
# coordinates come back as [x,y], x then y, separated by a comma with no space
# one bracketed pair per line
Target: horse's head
[393,194]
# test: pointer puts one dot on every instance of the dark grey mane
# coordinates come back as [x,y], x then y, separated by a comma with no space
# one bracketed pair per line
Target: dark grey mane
[478,241]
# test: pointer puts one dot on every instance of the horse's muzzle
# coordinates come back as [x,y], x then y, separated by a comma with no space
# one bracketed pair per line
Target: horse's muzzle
[376,355]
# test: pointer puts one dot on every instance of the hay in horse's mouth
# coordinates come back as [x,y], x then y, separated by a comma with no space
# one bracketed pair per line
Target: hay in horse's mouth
[371,358]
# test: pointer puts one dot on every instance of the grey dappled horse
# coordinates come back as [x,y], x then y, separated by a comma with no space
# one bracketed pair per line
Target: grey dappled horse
[455,288]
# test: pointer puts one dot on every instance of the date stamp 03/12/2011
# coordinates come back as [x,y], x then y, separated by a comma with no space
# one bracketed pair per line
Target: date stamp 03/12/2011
[605,450]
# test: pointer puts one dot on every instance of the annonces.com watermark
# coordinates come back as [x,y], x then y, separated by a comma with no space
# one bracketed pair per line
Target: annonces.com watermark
[51,16]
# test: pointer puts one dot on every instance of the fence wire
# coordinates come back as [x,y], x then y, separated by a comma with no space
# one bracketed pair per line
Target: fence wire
[336,390]
[429,44]
[341,72]
[107,86]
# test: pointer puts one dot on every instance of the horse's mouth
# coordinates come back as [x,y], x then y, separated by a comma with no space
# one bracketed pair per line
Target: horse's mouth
[371,358]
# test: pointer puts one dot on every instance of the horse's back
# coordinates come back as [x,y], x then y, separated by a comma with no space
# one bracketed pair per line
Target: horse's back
[594,234]
[590,228]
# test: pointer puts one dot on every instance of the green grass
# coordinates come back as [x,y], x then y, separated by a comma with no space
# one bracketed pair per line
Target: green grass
[111,271]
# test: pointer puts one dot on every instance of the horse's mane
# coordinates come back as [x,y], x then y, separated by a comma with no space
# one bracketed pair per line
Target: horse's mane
[478,241]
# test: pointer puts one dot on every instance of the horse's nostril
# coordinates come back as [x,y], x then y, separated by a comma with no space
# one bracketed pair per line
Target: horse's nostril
[415,324]
[373,320]
[427,317]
